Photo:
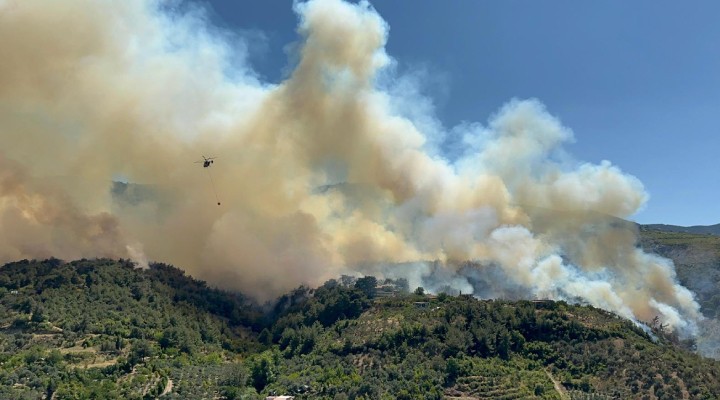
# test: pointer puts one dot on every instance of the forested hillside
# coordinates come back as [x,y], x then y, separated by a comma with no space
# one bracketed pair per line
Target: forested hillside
[105,329]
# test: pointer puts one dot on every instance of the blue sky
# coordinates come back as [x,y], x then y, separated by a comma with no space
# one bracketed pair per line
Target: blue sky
[637,82]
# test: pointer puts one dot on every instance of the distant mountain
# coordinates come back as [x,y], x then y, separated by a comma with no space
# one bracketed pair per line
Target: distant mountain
[700,229]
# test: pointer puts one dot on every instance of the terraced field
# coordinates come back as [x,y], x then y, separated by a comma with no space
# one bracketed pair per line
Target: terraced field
[487,388]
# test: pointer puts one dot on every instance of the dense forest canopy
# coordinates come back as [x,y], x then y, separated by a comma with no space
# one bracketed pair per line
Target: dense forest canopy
[106,329]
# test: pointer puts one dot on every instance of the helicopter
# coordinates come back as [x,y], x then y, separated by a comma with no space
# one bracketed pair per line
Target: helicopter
[206,161]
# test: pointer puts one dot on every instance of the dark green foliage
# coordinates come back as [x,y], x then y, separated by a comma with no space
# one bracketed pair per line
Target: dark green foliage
[367,285]
[262,370]
[459,346]
[329,303]
[88,323]
[103,329]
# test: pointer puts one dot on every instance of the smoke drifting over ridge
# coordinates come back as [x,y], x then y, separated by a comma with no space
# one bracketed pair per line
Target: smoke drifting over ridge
[318,175]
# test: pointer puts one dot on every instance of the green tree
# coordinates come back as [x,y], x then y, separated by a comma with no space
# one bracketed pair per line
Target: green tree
[38,315]
[262,371]
[265,337]
[503,345]
[452,369]
[367,285]
[140,350]
[51,388]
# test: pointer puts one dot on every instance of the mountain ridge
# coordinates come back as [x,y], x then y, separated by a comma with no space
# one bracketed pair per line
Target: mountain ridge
[698,229]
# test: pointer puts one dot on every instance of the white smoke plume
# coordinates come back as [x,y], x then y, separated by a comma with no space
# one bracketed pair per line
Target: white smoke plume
[322,173]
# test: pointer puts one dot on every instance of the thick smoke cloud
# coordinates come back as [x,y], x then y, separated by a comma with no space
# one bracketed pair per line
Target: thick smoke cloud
[318,175]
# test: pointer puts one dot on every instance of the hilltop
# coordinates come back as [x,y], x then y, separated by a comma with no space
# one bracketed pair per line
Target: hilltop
[105,329]
[698,229]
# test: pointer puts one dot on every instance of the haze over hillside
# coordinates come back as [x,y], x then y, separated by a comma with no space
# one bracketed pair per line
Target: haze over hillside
[697,261]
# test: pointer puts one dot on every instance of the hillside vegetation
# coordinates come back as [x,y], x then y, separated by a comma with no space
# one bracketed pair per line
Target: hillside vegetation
[697,229]
[104,329]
